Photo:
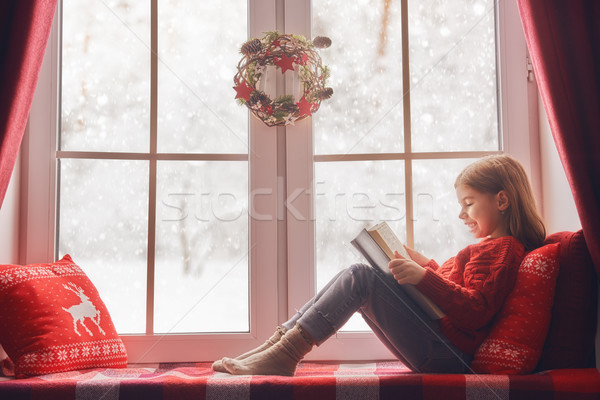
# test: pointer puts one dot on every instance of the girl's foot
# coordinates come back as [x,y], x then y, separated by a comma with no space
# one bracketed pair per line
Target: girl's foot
[218,365]
[281,358]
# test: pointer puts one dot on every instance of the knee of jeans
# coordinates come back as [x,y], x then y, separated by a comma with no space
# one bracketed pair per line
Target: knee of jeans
[360,269]
[364,275]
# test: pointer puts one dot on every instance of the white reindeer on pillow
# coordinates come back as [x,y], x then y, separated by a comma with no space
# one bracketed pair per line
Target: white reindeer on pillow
[84,310]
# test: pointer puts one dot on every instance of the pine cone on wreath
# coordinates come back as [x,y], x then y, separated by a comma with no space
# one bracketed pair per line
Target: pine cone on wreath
[252,46]
[257,96]
[326,93]
[322,42]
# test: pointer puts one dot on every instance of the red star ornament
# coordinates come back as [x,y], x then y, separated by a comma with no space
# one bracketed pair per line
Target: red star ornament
[304,59]
[305,107]
[285,63]
[243,90]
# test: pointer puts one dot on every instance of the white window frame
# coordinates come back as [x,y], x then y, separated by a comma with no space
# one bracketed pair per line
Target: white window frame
[280,165]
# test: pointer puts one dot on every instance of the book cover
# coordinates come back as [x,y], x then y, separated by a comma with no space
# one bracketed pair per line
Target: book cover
[377,257]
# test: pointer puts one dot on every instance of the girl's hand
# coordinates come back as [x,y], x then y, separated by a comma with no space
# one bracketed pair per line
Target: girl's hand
[405,270]
[417,257]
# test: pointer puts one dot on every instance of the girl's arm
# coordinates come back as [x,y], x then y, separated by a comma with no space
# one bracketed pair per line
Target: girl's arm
[488,277]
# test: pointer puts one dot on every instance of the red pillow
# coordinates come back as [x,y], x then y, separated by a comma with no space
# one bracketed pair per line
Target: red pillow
[515,342]
[53,320]
[570,341]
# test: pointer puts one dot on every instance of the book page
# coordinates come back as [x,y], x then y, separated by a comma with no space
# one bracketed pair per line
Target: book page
[390,239]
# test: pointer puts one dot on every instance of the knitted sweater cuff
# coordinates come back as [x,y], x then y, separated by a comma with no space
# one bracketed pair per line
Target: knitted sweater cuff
[432,284]
[432,265]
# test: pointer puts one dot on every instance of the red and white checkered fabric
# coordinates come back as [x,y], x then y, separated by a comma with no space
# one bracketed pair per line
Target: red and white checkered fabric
[388,380]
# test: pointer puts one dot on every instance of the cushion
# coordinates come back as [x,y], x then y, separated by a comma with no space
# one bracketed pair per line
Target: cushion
[6,366]
[570,341]
[515,341]
[53,320]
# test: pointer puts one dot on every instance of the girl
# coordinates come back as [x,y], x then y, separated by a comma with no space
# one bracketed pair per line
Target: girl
[498,207]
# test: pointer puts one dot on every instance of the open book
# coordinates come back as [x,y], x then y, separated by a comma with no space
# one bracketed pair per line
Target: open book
[377,245]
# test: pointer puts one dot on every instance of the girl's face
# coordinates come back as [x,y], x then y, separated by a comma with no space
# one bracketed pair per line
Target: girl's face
[481,212]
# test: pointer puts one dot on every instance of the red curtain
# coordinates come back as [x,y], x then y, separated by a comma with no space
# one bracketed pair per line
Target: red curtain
[563,38]
[24,30]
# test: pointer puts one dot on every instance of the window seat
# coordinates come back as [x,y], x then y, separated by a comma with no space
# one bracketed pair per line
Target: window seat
[384,380]
[569,346]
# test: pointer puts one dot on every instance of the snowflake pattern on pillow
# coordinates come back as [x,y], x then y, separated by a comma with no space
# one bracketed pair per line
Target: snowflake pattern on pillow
[53,320]
[514,344]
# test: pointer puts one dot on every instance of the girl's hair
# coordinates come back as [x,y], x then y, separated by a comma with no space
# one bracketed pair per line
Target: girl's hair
[492,174]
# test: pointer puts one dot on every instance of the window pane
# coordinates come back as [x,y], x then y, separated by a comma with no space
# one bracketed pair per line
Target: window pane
[202,247]
[453,89]
[365,113]
[103,226]
[199,43]
[439,233]
[351,196]
[105,76]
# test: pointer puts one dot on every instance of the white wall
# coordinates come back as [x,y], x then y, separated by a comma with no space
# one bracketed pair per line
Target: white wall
[559,210]
[9,220]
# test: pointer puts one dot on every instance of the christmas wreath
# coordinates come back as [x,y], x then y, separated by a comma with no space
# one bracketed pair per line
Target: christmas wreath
[284,52]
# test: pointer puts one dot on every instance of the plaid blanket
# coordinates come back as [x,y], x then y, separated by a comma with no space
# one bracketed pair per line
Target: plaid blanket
[386,380]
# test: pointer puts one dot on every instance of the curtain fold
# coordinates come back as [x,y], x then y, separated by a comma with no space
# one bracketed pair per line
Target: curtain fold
[24,30]
[563,38]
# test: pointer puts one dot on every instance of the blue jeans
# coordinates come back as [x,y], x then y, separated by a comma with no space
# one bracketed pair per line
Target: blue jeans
[397,321]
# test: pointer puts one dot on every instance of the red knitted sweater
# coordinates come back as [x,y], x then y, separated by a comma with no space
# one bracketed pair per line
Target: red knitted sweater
[471,288]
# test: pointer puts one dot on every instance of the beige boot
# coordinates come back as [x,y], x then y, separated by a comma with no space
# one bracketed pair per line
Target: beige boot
[218,365]
[280,359]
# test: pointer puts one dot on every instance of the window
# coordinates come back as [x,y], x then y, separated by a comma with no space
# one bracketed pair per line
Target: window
[201,226]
